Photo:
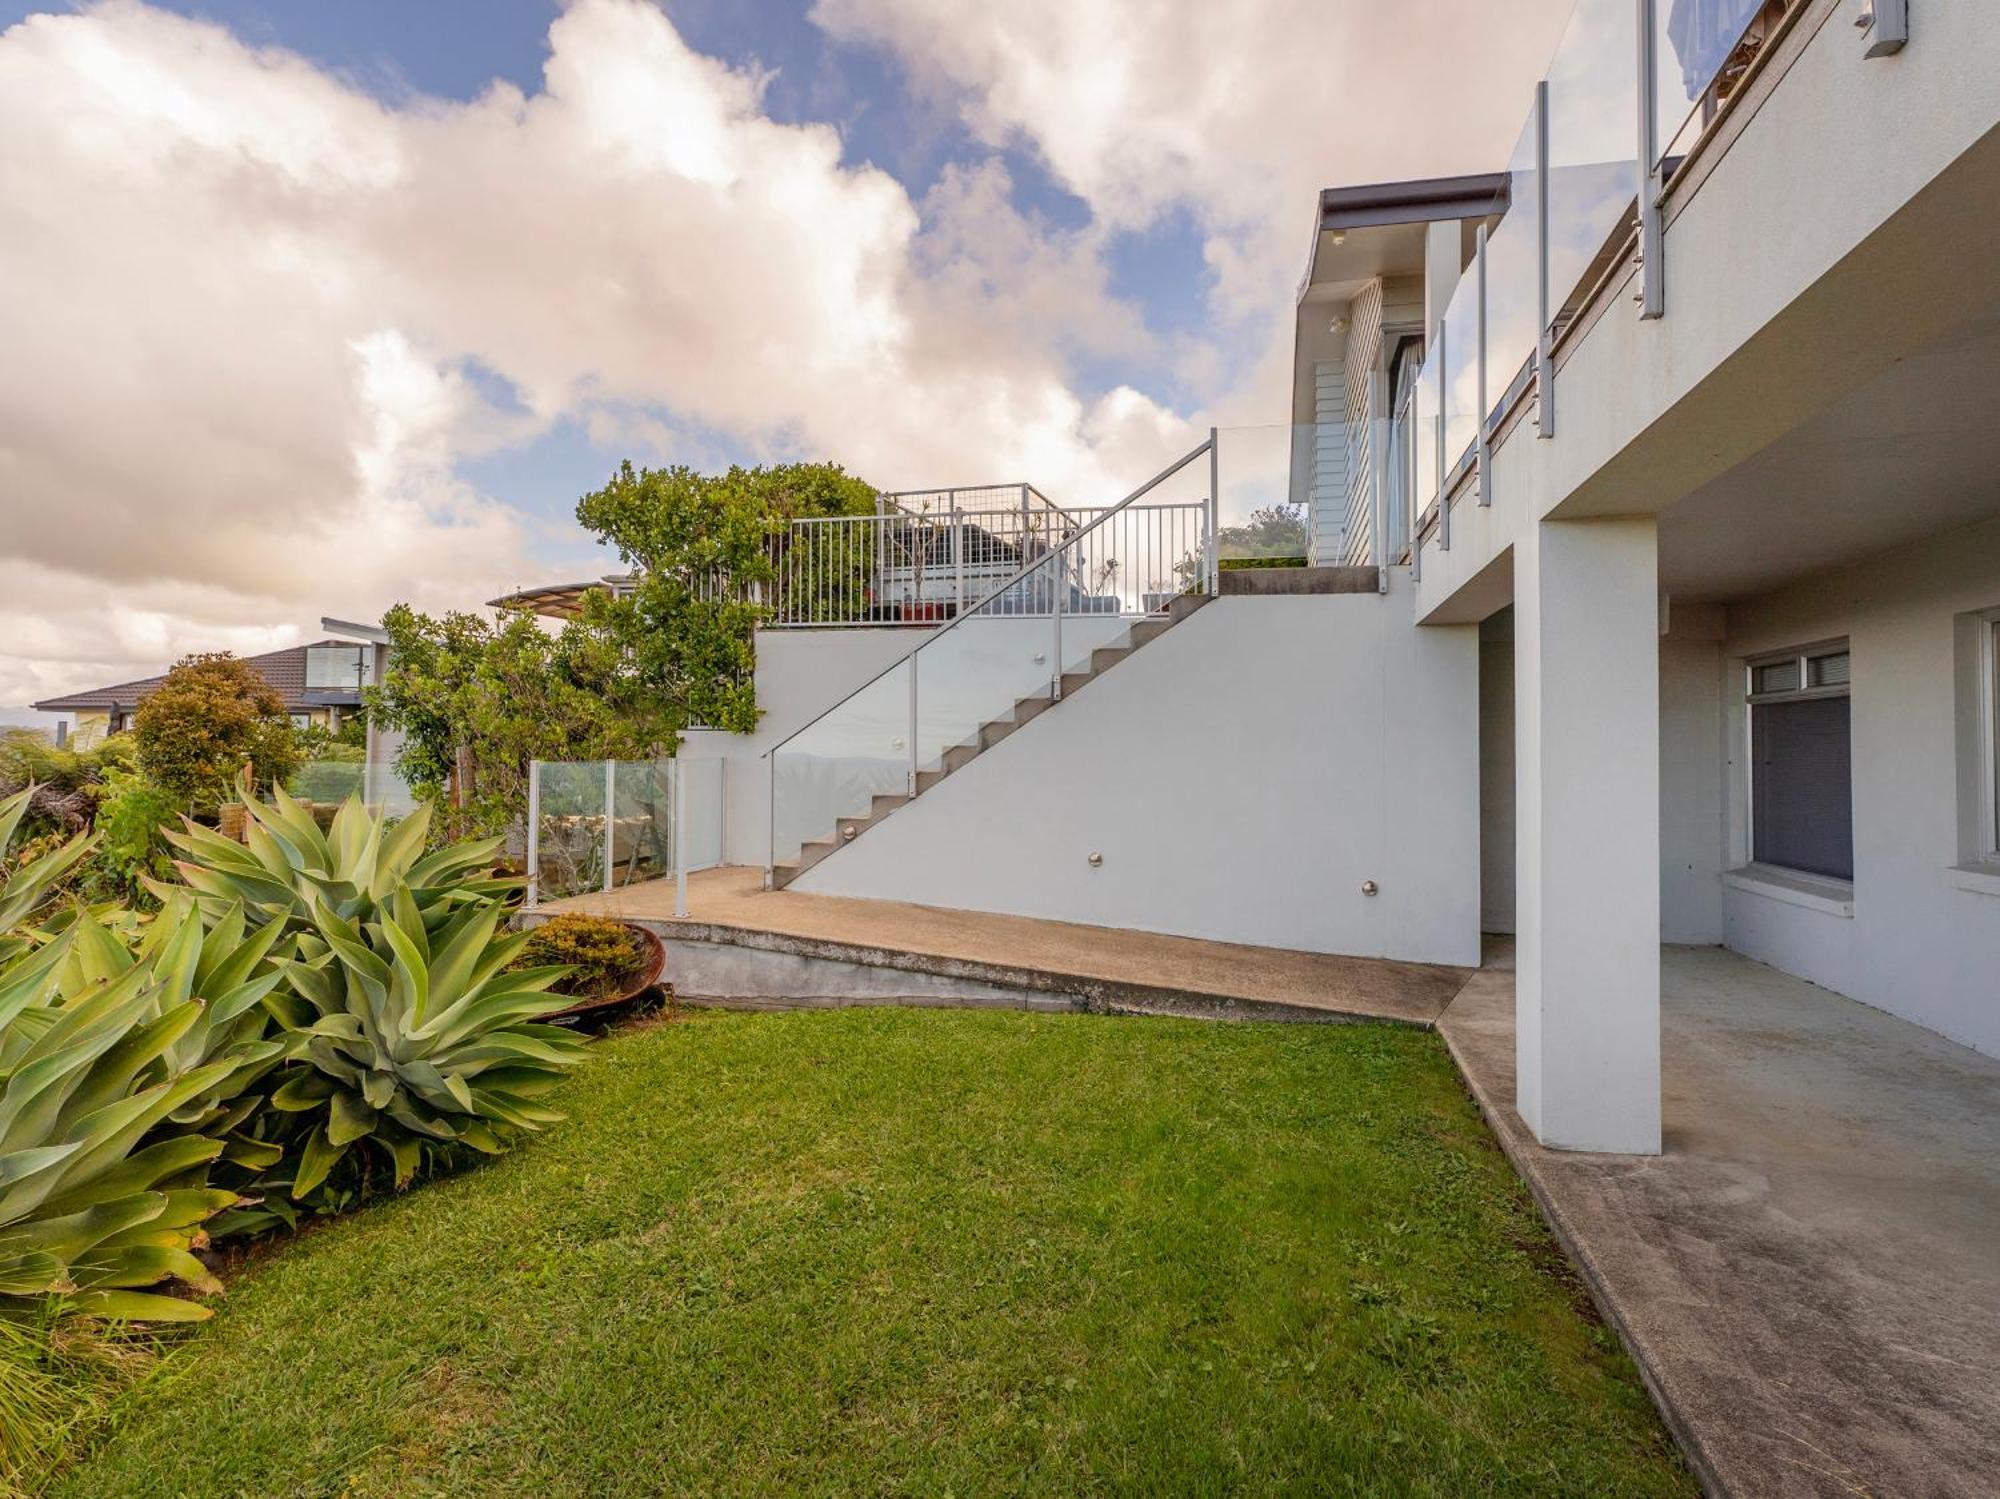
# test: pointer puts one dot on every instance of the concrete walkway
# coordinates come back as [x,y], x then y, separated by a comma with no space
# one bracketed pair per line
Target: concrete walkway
[1114,967]
[1810,1273]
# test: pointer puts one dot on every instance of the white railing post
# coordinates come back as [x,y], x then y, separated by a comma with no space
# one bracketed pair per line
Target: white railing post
[1545,370]
[1212,559]
[771,820]
[610,804]
[958,555]
[677,819]
[910,742]
[1437,437]
[1057,589]
[1652,298]
[1483,450]
[534,834]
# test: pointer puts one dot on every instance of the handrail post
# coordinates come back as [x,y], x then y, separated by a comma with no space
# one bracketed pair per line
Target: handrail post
[1652,289]
[1056,591]
[610,802]
[677,816]
[1437,437]
[1545,370]
[958,553]
[534,898]
[771,820]
[1213,568]
[911,741]
[1484,449]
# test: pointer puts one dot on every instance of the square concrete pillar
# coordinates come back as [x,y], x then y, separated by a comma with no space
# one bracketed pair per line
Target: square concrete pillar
[1587,834]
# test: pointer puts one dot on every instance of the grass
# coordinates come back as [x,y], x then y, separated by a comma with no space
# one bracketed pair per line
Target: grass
[928,1252]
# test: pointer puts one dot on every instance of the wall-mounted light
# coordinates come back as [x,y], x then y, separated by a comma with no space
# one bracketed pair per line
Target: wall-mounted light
[1338,325]
[1884,25]
[1340,236]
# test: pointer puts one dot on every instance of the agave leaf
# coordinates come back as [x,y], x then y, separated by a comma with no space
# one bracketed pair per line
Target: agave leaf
[141,1171]
[350,1119]
[320,1157]
[408,1155]
[136,1306]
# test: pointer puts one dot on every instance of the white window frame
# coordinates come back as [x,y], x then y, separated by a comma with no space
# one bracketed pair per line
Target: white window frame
[1989,737]
[1804,655]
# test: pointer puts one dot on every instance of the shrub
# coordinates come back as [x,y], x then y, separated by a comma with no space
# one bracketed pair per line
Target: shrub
[132,819]
[603,956]
[211,716]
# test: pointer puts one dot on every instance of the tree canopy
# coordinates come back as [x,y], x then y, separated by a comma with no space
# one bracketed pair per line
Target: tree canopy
[623,680]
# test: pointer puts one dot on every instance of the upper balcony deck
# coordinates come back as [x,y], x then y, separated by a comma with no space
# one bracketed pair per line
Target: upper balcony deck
[1730,269]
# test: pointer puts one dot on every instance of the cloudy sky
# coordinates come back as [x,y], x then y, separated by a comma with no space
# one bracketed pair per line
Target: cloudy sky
[307,307]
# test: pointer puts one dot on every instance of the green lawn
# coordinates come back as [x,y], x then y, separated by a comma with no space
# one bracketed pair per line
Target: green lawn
[929,1252]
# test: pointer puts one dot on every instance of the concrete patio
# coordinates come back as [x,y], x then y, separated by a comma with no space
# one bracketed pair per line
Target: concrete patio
[1810,1273]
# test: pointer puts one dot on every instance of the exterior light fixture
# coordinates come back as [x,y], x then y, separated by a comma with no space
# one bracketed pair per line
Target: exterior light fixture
[1884,25]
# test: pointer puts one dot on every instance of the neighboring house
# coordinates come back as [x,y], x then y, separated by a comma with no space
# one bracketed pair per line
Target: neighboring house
[1651,480]
[320,683]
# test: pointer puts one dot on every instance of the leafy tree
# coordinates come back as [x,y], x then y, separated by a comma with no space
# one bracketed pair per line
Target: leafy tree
[699,545]
[211,716]
[506,694]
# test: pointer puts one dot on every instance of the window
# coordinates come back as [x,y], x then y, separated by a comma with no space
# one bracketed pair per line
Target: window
[1801,769]
[1989,677]
[333,668]
[302,720]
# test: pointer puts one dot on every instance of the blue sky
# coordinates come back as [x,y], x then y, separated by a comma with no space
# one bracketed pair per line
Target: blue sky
[454,49]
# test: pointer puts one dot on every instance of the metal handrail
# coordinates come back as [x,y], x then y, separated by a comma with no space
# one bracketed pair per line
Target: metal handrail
[1037,565]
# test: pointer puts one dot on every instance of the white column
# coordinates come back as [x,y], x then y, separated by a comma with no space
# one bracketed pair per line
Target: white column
[1587,840]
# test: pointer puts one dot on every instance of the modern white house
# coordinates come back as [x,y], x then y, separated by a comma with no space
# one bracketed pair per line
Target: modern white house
[1654,593]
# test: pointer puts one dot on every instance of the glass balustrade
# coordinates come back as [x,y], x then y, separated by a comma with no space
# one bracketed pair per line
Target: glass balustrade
[1593,147]
[1701,49]
[833,769]
[1513,278]
[1460,387]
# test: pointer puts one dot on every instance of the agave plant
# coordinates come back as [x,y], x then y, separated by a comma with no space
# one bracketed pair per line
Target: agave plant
[286,865]
[87,1211]
[24,890]
[415,1034]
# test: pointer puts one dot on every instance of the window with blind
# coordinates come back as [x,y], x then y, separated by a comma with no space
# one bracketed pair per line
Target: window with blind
[1801,766]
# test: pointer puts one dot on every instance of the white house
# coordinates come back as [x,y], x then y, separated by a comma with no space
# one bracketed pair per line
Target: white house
[1656,593]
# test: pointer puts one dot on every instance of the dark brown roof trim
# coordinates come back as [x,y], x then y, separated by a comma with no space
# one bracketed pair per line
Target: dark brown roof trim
[1425,201]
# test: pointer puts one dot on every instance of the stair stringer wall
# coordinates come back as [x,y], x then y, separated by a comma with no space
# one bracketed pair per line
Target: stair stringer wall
[1241,777]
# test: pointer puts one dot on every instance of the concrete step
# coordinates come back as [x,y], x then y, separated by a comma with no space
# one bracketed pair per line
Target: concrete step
[1107,656]
[1074,682]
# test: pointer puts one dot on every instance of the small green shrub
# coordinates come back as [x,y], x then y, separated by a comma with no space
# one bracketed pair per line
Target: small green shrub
[1234,564]
[132,819]
[604,955]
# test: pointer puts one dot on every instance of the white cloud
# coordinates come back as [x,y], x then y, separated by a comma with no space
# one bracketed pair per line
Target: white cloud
[241,299]
[1238,113]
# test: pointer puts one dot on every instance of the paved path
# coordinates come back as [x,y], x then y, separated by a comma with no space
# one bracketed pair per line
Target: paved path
[1810,1272]
[1056,954]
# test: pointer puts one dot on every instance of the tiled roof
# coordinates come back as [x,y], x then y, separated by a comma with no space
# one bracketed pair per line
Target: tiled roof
[285,670]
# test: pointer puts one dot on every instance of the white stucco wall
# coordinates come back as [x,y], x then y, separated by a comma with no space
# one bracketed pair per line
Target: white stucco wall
[1241,777]
[1923,941]
[1691,776]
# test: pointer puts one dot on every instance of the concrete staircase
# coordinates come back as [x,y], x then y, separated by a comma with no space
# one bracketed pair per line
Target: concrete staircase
[990,733]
